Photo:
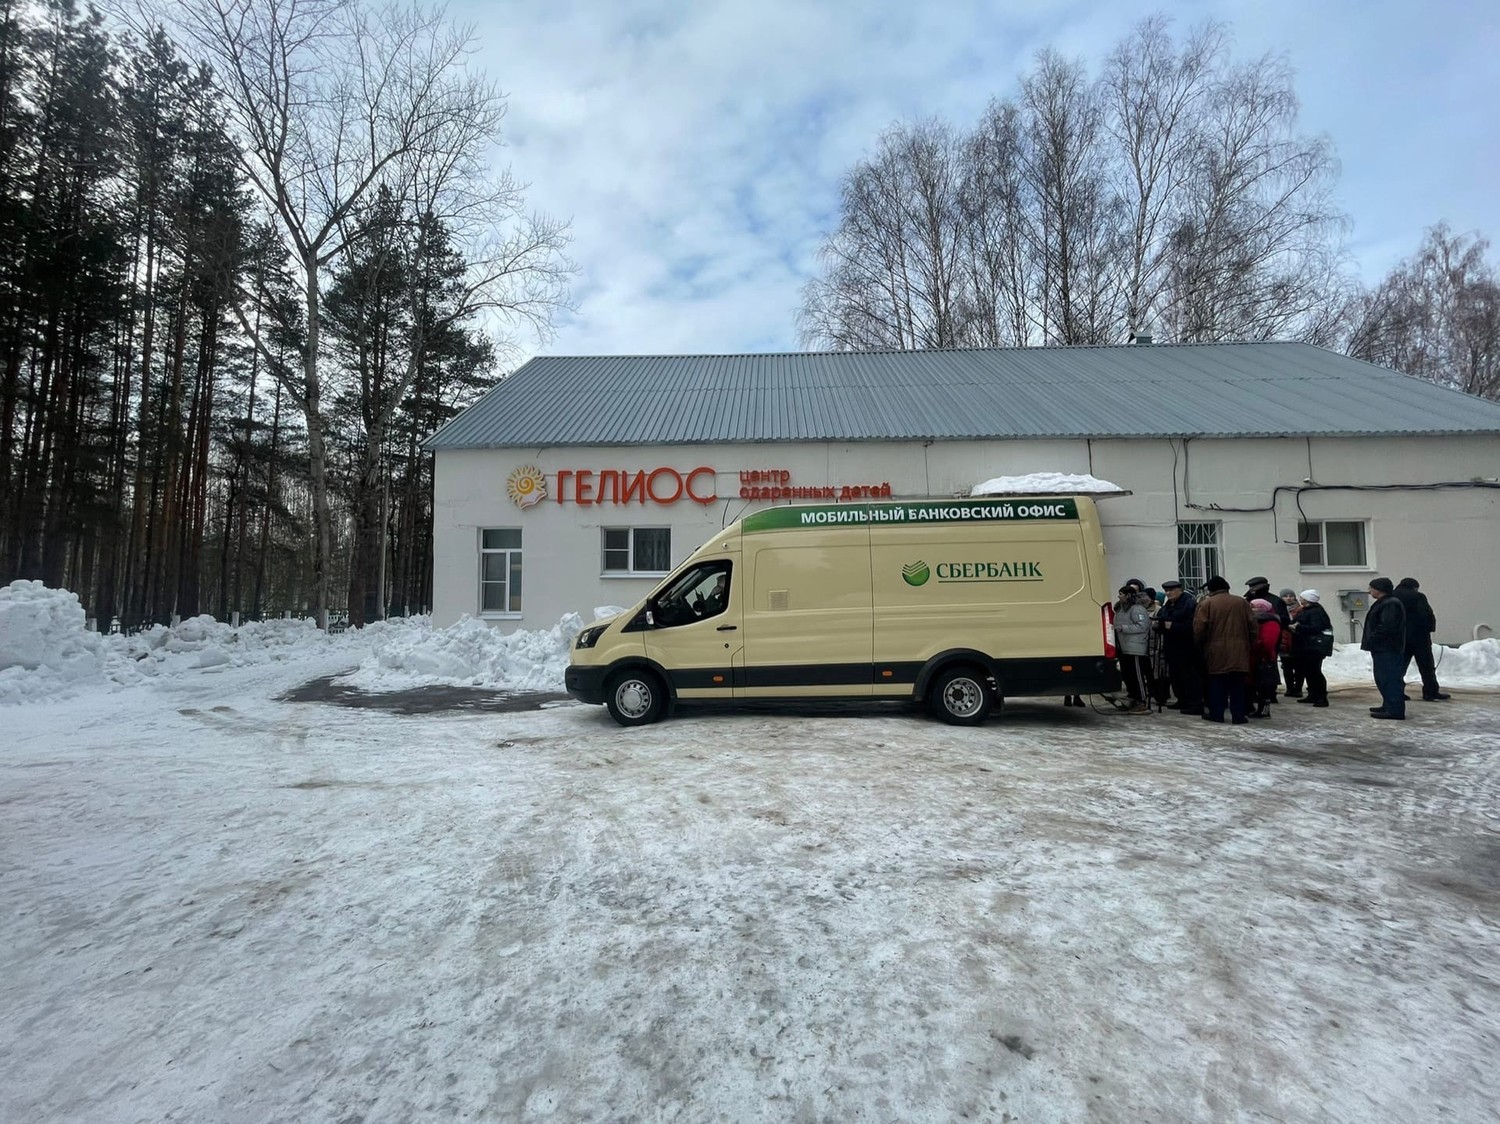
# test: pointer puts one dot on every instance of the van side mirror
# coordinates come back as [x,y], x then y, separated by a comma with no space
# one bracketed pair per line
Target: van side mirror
[650,619]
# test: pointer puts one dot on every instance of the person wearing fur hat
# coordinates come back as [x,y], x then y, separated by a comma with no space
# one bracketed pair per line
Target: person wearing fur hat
[1225,632]
[1385,640]
[1291,671]
[1308,629]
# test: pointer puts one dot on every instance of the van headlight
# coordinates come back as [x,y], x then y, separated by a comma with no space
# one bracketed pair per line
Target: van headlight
[590,636]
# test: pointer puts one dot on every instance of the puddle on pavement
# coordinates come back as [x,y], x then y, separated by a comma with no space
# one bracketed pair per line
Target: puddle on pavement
[421,700]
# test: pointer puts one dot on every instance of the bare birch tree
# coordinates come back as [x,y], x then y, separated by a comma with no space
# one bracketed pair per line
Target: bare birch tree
[1254,255]
[999,308]
[1174,193]
[1156,100]
[893,269]
[327,99]
[1073,229]
[1437,315]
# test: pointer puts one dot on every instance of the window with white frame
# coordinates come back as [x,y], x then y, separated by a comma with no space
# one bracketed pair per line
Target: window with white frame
[1333,543]
[1197,554]
[637,550]
[500,570]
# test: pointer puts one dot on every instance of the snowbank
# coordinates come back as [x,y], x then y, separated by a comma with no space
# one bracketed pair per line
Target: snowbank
[469,654]
[47,652]
[45,649]
[1046,484]
[1474,665]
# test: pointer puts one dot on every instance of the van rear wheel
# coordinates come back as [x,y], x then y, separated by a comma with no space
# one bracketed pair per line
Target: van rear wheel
[635,698]
[962,696]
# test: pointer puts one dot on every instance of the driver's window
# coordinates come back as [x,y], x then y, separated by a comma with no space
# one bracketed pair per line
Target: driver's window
[696,595]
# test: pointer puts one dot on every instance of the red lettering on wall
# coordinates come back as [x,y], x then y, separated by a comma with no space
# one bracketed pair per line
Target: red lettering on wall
[713,492]
[583,481]
[634,486]
[656,496]
[563,475]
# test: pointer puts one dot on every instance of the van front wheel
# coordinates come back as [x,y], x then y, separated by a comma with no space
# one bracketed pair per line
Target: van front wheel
[961,696]
[635,698]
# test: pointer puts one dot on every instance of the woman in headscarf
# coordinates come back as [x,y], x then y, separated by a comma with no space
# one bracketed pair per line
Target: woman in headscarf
[1312,640]
[1264,677]
[1289,670]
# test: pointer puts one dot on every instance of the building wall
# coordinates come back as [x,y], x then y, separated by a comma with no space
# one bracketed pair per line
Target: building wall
[1449,539]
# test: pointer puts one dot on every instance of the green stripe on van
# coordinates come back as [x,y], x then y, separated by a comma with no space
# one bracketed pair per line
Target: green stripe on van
[940,511]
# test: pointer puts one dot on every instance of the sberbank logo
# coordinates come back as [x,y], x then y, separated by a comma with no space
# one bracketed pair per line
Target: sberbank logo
[916,574]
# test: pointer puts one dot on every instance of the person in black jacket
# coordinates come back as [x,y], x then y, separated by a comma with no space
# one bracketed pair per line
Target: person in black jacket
[1174,623]
[1421,623]
[1308,628]
[1385,640]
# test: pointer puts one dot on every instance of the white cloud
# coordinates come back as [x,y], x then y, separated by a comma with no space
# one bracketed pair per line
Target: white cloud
[698,146]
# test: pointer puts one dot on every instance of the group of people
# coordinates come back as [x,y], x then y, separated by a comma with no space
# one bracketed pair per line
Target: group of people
[1219,652]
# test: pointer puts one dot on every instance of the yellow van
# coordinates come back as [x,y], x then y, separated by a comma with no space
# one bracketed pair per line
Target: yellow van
[956,602]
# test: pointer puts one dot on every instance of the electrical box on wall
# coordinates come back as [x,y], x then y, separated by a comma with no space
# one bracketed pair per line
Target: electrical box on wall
[1354,600]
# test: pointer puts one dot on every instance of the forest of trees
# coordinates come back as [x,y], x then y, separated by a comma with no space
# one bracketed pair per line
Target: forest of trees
[248,262]
[1168,195]
[252,255]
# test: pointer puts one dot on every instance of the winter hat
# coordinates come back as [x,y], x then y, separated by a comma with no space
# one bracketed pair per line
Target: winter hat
[1216,584]
[1382,584]
[1310,596]
[1171,583]
[1408,583]
[1288,592]
[1253,582]
[1262,604]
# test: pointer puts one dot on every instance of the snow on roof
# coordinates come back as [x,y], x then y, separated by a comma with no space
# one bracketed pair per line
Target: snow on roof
[1048,484]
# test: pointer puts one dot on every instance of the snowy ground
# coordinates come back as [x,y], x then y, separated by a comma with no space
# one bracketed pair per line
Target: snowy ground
[219,906]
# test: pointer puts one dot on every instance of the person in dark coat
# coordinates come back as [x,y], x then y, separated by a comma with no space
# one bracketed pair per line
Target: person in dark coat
[1385,640]
[1174,621]
[1421,623]
[1225,631]
[1310,623]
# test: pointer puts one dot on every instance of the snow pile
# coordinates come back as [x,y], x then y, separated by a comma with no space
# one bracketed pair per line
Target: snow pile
[1473,665]
[468,654]
[1047,484]
[203,642]
[45,649]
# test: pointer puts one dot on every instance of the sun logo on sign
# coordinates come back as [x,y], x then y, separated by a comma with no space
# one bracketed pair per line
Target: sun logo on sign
[526,486]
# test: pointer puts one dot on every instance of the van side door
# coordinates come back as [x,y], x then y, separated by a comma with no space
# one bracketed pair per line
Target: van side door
[808,624]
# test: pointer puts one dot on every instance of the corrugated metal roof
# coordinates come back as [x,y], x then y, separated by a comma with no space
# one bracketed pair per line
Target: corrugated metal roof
[1160,390]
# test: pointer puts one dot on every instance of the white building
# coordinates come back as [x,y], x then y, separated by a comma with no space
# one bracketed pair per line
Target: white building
[577,482]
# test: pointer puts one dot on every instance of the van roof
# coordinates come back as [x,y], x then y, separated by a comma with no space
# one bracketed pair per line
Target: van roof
[1019,509]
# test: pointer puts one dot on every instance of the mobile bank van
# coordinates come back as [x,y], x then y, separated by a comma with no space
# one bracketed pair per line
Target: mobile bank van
[955,603]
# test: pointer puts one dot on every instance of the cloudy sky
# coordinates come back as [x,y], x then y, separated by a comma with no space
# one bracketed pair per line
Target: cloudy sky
[697,145]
